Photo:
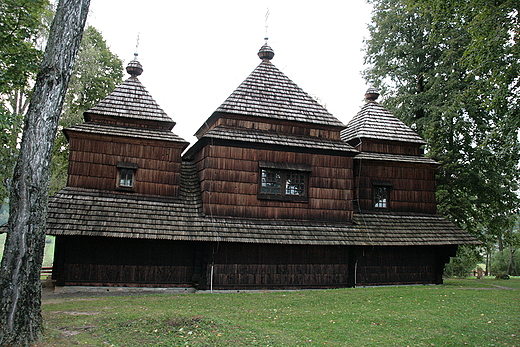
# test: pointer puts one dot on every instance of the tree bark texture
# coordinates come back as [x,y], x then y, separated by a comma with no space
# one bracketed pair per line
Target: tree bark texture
[20,286]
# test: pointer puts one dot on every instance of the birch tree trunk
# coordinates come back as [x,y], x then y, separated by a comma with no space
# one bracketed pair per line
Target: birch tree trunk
[20,286]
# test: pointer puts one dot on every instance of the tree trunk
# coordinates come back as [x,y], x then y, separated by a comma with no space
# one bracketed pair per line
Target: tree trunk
[511,267]
[500,244]
[487,272]
[20,286]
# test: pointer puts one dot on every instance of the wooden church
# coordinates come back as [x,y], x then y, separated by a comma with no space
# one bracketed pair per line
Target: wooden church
[275,193]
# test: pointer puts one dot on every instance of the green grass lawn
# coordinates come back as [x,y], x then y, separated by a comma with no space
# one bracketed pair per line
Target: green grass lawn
[462,312]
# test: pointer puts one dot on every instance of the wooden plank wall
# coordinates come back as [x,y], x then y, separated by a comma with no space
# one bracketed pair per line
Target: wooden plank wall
[101,261]
[276,266]
[412,190]
[92,164]
[390,147]
[279,127]
[230,181]
[402,265]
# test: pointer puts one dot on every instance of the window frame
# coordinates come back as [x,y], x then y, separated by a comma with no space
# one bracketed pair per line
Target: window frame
[387,187]
[284,170]
[131,168]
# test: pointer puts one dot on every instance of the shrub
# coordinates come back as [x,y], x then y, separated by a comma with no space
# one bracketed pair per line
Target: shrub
[500,261]
[464,263]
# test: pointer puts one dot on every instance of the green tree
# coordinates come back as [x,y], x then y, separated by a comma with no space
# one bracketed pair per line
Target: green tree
[464,263]
[22,26]
[424,57]
[97,72]
[20,286]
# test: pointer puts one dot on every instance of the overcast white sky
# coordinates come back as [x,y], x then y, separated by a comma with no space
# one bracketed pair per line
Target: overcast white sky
[195,53]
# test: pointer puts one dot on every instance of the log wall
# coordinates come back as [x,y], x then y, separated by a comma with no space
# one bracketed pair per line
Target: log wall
[402,265]
[230,184]
[92,164]
[102,261]
[412,185]
[280,266]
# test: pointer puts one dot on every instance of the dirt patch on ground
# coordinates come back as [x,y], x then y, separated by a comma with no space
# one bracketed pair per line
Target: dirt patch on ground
[496,287]
[75,313]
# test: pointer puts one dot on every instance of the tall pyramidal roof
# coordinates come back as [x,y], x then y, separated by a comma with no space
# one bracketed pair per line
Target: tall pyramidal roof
[376,122]
[131,100]
[129,111]
[267,92]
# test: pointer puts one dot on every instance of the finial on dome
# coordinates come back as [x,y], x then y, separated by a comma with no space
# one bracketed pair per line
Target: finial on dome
[266,53]
[371,94]
[134,67]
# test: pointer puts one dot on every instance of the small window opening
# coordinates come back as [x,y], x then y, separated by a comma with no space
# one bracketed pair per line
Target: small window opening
[126,178]
[283,184]
[380,197]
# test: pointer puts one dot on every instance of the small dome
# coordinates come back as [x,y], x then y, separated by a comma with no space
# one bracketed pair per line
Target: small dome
[266,53]
[371,94]
[134,68]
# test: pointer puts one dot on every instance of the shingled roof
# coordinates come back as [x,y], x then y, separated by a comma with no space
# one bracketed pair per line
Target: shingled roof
[131,100]
[77,211]
[127,132]
[396,157]
[376,122]
[278,139]
[267,92]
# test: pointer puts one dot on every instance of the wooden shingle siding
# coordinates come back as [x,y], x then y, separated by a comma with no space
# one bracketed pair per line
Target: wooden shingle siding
[412,185]
[277,139]
[221,168]
[389,147]
[92,164]
[276,126]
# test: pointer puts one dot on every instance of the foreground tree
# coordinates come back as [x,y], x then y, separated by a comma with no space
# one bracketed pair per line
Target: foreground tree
[23,24]
[20,287]
[450,69]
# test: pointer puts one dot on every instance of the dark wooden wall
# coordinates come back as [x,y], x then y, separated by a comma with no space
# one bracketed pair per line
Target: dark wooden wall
[230,179]
[92,163]
[402,265]
[90,260]
[412,185]
[102,261]
[389,147]
[276,126]
[243,265]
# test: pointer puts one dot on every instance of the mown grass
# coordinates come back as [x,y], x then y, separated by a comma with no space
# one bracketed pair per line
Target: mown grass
[462,312]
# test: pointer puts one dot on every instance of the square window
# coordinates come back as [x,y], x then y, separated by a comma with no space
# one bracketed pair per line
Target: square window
[295,183]
[271,182]
[381,196]
[289,185]
[126,178]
